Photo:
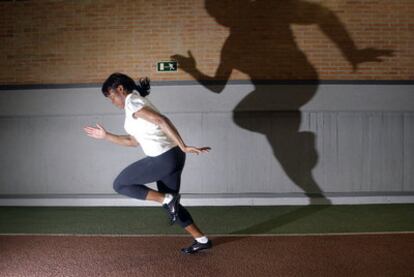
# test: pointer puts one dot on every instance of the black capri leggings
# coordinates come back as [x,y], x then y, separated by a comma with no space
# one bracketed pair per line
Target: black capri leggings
[164,169]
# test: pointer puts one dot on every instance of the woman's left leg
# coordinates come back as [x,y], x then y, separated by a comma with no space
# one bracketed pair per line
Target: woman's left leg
[171,184]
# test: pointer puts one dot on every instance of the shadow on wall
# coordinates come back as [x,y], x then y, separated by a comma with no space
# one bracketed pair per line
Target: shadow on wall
[261,44]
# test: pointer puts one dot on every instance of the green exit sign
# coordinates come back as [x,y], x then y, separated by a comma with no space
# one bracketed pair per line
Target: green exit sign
[167,66]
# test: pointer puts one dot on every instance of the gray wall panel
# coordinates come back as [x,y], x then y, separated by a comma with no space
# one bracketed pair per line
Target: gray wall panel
[363,136]
[408,152]
[195,98]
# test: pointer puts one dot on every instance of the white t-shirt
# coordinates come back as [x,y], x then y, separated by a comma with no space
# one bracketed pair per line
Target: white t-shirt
[150,136]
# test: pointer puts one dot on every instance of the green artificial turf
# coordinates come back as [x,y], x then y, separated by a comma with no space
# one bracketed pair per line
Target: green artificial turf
[212,220]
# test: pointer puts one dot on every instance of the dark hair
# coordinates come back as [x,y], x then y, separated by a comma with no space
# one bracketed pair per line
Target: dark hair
[116,79]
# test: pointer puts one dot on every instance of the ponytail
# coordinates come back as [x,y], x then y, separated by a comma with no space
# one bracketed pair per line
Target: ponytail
[143,86]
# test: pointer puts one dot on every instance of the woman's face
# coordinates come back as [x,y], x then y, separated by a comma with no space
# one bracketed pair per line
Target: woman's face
[117,96]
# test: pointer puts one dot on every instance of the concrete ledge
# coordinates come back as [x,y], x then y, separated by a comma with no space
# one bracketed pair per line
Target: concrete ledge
[200,200]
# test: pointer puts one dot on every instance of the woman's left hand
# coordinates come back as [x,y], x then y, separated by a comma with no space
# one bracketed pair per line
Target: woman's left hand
[195,150]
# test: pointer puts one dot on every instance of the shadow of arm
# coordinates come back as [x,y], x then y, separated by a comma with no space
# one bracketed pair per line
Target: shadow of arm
[214,83]
[335,30]
[329,23]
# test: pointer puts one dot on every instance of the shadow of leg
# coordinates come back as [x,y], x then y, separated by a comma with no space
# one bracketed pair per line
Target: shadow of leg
[297,155]
[271,225]
[295,151]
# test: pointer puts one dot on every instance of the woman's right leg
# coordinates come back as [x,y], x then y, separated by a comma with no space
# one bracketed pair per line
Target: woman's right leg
[130,182]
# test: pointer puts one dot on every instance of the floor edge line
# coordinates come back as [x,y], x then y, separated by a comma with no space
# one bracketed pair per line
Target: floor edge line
[210,235]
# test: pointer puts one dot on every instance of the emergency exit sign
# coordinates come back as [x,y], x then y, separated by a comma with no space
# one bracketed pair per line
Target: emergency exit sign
[167,66]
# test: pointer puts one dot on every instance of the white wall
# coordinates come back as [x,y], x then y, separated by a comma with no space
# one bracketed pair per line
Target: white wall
[364,137]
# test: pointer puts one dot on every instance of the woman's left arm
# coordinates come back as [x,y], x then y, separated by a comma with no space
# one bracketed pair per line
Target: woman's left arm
[168,127]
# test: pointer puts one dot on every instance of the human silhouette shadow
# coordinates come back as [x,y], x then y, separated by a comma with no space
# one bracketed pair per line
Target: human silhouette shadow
[271,225]
[262,45]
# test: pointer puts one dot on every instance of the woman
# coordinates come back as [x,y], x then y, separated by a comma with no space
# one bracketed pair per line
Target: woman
[163,146]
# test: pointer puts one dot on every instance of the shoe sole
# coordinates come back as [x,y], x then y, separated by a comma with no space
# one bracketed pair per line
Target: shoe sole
[201,249]
[195,252]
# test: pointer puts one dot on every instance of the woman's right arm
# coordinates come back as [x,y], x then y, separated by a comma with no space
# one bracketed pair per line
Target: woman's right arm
[124,140]
[99,132]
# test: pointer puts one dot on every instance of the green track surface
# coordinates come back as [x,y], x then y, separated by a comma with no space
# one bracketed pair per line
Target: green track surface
[212,220]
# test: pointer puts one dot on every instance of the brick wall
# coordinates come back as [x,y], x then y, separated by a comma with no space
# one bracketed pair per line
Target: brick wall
[61,42]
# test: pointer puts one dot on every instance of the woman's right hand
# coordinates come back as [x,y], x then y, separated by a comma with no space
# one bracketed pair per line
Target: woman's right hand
[97,132]
[195,150]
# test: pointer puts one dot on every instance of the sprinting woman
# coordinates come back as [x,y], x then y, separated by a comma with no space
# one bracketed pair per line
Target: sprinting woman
[164,149]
